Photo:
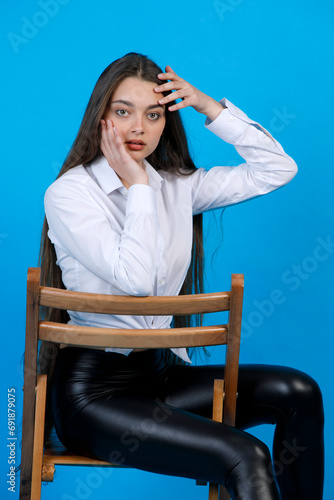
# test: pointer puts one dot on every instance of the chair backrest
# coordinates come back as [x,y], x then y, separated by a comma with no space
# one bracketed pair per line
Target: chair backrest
[36,329]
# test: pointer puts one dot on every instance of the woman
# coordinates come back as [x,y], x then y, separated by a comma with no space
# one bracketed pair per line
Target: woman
[124,217]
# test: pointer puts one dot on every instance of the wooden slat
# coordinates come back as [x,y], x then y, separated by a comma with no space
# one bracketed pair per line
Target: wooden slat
[36,481]
[142,306]
[129,338]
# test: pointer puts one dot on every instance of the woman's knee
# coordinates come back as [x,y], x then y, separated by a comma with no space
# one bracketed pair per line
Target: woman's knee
[253,472]
[243,454]
[305,394]
[255,455]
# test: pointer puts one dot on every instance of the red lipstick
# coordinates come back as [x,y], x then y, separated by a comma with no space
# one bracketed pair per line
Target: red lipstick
[135,144]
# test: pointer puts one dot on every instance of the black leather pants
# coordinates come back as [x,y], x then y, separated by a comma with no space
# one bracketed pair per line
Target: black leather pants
[141,412]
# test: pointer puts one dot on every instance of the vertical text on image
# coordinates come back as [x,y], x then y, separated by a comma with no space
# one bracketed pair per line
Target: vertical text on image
[11,439]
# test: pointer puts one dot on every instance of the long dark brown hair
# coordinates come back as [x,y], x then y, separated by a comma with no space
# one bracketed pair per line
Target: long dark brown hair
[171,154]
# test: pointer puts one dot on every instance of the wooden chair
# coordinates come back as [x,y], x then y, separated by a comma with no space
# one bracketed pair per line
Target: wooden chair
[37,461]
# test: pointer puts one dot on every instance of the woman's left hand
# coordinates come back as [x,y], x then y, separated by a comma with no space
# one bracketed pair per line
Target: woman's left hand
[189,94]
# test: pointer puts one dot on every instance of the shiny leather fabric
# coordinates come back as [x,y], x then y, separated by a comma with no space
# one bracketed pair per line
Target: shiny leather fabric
[139,411]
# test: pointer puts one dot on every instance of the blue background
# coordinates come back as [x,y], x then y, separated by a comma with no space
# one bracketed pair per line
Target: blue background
[272,59]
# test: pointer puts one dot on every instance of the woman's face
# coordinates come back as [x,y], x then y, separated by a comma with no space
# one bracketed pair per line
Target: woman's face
[139,118]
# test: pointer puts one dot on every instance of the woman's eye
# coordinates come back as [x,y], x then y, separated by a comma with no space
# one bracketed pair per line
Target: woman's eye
[153,116]
[121,112]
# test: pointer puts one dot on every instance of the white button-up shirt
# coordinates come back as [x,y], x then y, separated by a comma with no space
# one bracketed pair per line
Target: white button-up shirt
[111,240]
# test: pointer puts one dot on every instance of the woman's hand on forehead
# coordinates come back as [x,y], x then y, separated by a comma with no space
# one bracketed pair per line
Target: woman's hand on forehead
[190,95]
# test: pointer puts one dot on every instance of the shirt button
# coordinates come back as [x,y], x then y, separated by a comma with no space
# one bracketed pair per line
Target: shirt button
[231,119]
[161,281]
[268,139]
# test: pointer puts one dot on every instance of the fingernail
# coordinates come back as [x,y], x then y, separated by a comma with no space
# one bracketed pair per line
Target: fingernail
[161,101]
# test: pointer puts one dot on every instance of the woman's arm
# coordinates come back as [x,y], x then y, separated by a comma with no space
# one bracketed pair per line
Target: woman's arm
[267,166]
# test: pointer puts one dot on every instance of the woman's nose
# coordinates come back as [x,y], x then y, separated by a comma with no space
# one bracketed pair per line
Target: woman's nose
[137,125]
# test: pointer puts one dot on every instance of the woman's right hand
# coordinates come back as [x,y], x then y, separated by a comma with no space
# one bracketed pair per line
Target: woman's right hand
[129,171]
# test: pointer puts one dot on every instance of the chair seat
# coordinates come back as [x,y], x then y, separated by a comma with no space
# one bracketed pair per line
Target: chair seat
[55,453]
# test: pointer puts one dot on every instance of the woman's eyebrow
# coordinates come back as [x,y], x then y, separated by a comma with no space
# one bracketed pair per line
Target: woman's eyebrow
[121,101]
[128,103]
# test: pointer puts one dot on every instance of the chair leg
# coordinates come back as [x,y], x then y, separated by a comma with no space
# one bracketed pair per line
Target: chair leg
[36,481]
[213,491]
[217,492]
[223,494]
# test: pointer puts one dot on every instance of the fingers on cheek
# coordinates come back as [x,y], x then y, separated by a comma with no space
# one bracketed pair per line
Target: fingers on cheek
[111,138]
[104,135]
[103,141]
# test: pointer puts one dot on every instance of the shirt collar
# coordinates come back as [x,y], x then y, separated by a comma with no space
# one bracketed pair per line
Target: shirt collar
[154,178]
[109,180]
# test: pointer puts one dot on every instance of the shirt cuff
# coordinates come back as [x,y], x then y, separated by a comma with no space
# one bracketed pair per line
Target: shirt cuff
[230,124]
[118,350]
[141,198]
[181,352]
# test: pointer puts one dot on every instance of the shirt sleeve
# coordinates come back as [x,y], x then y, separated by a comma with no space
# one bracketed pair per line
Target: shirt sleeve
[267,166]
[78,224]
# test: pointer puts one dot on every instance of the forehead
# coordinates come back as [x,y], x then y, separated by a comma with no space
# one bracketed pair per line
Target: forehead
[137,91]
